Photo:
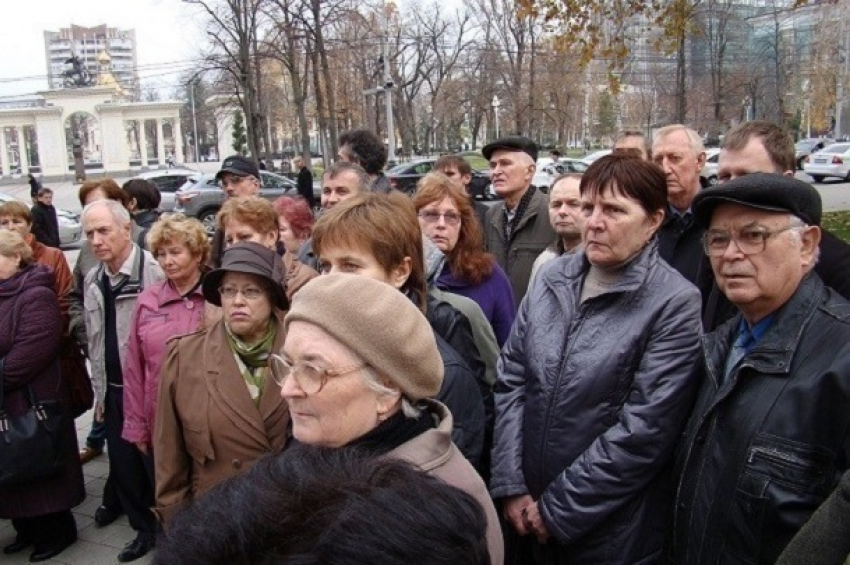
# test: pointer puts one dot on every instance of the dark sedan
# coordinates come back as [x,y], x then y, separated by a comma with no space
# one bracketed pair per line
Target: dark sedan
[405,176]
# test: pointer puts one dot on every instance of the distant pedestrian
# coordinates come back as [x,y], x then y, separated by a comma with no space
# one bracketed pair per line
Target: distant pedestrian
[35,185]
[45,226]
[305,182]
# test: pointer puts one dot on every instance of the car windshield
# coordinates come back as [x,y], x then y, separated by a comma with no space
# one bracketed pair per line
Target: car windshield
[399,169]
[837,148]
[805,145]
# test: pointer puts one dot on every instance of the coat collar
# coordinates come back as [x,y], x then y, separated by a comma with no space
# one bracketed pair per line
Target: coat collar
[168,293]
[227,387]
[432,448]
[775,351]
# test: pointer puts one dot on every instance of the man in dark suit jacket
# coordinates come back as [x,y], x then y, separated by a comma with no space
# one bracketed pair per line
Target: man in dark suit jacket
[45,226]
[763,147]
[305,182]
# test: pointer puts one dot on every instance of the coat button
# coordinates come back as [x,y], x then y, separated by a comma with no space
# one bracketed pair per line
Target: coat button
[237,464]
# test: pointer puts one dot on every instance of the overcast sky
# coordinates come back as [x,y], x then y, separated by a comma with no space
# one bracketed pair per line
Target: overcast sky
[166,32]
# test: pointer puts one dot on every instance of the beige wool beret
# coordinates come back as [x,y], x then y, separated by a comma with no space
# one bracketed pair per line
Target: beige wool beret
[378,323]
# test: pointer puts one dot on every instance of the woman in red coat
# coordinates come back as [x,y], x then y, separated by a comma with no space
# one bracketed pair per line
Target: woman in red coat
[30,339]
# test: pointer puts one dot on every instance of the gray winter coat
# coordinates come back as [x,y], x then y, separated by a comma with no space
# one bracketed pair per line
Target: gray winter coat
[608,385]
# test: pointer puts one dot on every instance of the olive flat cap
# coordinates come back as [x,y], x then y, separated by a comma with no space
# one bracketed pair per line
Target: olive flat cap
[511,143]
[763,191]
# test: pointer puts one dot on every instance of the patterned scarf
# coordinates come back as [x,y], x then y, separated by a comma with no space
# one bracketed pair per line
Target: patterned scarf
[252,360]
[510,227]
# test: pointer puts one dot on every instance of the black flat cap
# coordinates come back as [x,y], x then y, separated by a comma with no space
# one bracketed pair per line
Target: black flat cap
[763,191]
[239,165]
[512,143]
[254,259]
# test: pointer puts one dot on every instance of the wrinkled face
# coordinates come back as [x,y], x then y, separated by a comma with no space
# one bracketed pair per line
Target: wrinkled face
[510,172]
[674,154]
[753,158]
[357,261]
[287,236]
[440,221]
[247,318]
[760,283]
[454,175]
[345,408]
[565,208]
[236,186]
[109,240]
[616,228]
[8,266]
[19,225]
[634,142]
[177,262]
[238,232]
[334,190]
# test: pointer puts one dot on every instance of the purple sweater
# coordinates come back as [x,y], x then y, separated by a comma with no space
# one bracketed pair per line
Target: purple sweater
[494,295]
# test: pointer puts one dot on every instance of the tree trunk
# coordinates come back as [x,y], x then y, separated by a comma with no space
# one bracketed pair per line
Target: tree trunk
[681,73]
[321,116]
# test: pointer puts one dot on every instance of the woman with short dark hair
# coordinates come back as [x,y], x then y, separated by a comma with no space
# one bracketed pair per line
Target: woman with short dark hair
[595,383]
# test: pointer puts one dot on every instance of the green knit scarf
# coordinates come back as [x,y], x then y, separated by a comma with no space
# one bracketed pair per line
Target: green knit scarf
[252,360]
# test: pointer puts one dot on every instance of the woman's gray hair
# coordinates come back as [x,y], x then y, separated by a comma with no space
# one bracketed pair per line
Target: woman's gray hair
[118,211]
[408,408]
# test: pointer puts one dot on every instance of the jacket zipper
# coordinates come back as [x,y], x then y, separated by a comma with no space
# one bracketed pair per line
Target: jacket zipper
[780,456]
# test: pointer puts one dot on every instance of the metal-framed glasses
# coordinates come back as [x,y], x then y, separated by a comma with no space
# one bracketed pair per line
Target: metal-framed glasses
[311,378]
[432,217]
[750,240]
[249,293]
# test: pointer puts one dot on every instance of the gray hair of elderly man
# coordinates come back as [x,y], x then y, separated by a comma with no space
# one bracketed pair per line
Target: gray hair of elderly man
[696,141]
[116,209]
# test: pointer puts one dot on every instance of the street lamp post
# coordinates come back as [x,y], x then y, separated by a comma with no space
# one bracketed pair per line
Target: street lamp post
[496,104]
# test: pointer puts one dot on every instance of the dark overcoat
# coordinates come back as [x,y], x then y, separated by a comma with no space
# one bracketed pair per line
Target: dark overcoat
[30,339]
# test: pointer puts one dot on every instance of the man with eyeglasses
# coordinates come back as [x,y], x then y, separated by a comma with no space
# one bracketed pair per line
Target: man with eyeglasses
[769,436]
[763,147]
[239,176]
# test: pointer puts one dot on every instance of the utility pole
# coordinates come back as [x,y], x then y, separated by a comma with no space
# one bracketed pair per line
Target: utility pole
[842,76]
[387,89]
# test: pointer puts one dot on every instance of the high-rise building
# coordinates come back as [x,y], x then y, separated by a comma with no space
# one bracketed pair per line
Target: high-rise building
[88,43]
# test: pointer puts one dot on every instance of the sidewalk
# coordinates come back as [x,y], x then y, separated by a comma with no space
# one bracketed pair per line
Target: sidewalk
[95,546]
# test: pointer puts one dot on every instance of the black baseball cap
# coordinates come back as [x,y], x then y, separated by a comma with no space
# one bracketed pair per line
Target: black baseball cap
[764,191]
[240,166]
[512,143]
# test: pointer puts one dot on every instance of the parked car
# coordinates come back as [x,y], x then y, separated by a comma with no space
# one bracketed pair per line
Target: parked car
[168,182]
[708,175]
[831,161]
[806,147]
[70,229]
[589,159]
[405,176]
[547,171]
[201,197]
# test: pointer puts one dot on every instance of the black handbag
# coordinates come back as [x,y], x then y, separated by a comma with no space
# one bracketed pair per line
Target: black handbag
[32,445]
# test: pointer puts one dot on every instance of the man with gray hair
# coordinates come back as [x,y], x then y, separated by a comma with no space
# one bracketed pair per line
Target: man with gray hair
[112,287]
[341,181]
[769,436]
[518,228]
[679,151]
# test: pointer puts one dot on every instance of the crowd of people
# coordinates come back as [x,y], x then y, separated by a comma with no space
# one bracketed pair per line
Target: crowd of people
[626,368]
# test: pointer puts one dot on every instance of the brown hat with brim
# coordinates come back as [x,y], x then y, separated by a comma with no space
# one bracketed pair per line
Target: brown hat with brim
[253,259]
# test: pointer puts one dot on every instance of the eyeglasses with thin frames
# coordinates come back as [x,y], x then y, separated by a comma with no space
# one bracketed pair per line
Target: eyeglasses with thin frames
[310,378]
[249,293]
[750,240]
[432,217]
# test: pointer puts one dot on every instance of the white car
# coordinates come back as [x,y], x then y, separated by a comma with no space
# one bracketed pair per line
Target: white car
[547,171]
[708,175]
[589,159]
[831,161]
[70,229]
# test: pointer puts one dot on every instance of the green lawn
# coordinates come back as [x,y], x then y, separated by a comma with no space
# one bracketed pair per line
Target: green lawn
[838,223]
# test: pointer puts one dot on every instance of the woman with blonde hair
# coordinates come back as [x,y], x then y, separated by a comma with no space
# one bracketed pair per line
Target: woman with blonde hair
[448,219]
[167,309]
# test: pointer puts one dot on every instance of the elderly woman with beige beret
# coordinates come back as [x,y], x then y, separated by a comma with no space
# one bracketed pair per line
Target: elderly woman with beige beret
[352,380]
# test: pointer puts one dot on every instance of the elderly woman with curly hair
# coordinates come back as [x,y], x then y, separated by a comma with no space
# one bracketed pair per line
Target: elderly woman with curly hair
[170,308]
[295,226]
[448,219]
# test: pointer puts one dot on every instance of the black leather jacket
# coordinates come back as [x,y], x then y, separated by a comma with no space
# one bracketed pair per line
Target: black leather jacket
[767,445]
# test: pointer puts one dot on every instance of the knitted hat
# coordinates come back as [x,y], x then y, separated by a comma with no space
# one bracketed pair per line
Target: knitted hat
[379,324]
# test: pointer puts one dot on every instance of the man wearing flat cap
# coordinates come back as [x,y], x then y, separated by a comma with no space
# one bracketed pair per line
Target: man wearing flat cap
[769,436]
[518,228]
[239,176]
